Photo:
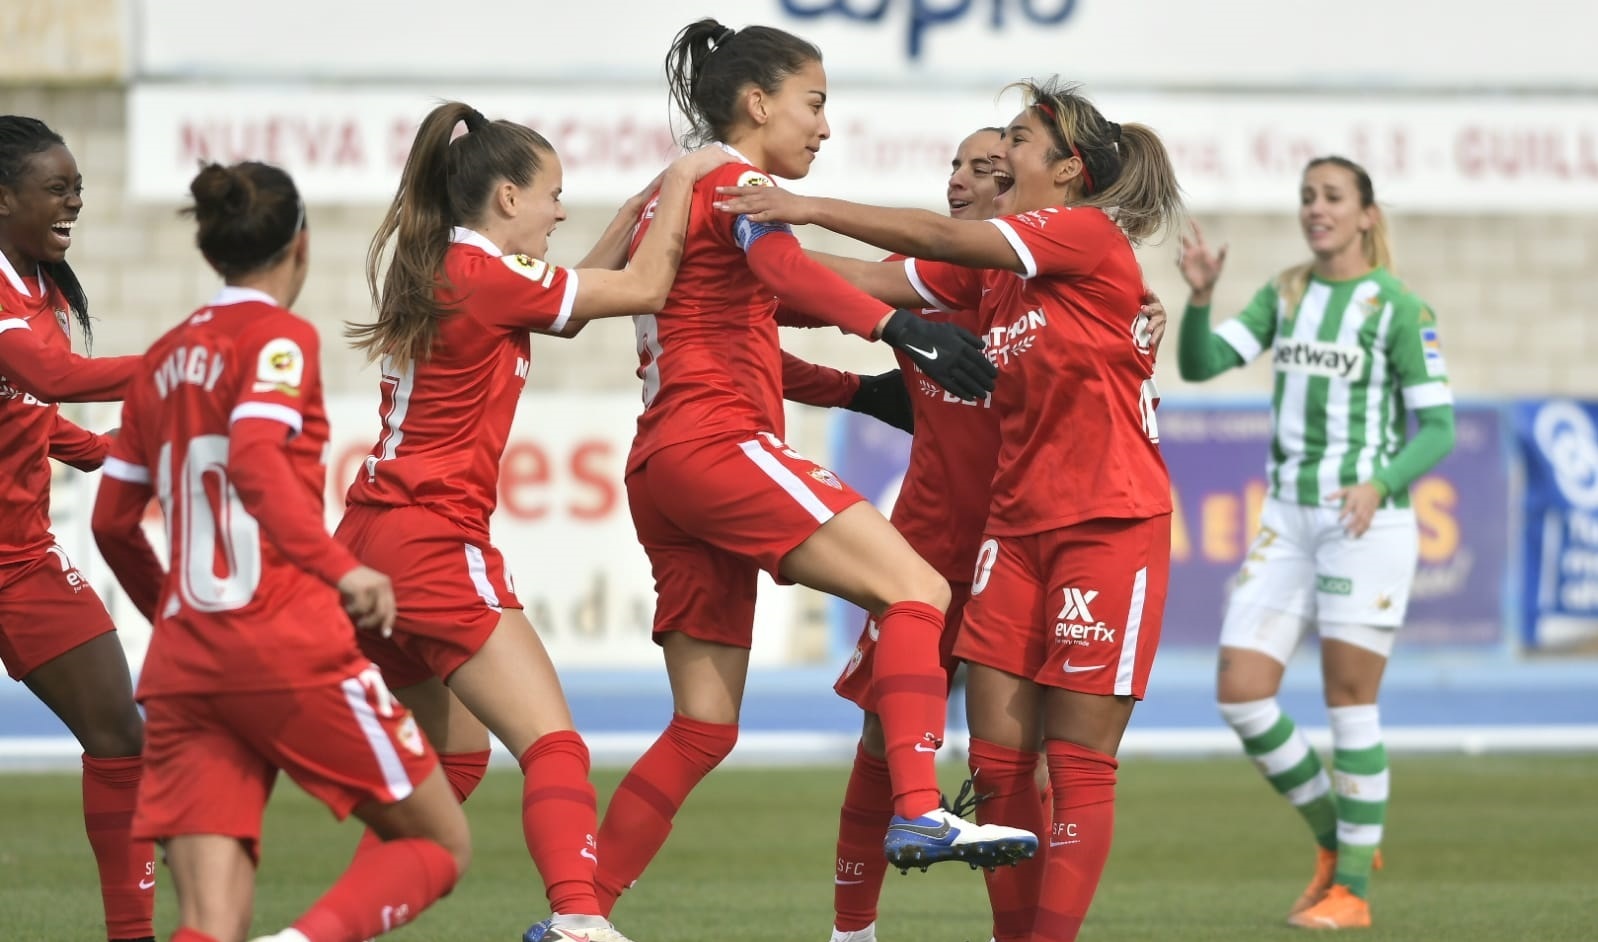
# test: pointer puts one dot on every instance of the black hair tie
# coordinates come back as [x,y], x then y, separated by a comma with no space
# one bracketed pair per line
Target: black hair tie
[722,35]
[1115,132]
[475,121]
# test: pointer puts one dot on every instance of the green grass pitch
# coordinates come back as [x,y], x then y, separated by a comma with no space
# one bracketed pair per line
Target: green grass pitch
[1478,848]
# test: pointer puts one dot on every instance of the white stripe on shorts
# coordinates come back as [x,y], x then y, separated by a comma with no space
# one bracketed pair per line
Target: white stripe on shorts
[786,480]
[477,567]
[394,777]
[1134,622]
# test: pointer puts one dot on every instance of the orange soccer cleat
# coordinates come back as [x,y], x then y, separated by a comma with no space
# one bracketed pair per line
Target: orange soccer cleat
[1339,909]
[1325,866]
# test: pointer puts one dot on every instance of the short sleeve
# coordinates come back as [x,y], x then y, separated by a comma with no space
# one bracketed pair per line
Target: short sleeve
[519,292]
[1059,240]
[127,461]
[280,368]
[945,286]
[1416,354]
[1253,330]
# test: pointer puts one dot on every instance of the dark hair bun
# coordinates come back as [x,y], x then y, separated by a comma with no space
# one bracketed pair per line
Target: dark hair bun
[221,191]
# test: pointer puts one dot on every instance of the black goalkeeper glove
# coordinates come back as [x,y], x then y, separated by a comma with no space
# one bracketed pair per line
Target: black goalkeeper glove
[952,356]
[885,398]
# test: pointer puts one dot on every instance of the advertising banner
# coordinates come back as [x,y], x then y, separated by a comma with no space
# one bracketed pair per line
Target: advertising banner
[348,145]
[1558,439]
[1216,457]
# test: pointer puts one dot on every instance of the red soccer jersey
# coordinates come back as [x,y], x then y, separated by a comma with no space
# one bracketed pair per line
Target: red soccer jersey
[710,360]
[943,502]
[27,424]
[1075,394]
[234,613]
[446,418]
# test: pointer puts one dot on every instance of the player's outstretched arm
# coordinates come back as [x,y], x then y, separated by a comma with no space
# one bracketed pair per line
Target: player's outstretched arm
[52,374]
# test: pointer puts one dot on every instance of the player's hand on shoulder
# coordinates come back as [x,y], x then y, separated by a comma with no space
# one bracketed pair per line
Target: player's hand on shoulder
[764,203]
[696,165]
[368,599]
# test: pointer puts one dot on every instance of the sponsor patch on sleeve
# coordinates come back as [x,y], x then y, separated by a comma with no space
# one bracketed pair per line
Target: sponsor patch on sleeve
[1432,349]
[754,178]
[280,367]
[747,232]
[533,269]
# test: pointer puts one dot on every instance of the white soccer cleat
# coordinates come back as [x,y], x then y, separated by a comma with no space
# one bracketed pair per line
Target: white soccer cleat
[939,835]
[868,934]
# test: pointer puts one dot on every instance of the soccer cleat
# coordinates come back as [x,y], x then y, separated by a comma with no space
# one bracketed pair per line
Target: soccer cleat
[868,934]
[287,935]
[938,836]
[547,931]
[1339,909]
[1325,866]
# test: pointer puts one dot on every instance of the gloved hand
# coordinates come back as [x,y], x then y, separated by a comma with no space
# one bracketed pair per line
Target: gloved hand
[952,356]
[885,398]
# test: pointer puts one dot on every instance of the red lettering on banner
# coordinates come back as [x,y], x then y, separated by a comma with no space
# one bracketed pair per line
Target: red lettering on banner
[523,475]
[293,141]
[1515,153]
[597,478]
[619,143]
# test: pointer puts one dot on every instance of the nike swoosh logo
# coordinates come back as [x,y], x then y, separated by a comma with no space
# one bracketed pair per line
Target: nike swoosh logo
[585,852]
[1070,668]
[146,884]
[923,747]
[847,882]
[1062,843]
[939,832]
[928,354]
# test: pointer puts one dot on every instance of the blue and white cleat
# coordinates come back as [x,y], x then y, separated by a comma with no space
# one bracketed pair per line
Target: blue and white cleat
[939,835]
[537,931]
[574,929]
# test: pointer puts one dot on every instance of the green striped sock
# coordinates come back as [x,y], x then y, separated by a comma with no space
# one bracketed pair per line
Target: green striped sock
[1285,758]
[1359,765]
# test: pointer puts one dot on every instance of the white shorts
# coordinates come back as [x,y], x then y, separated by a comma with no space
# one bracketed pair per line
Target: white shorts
[1304,565]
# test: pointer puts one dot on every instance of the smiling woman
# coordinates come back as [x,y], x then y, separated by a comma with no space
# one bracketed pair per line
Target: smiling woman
[55,635]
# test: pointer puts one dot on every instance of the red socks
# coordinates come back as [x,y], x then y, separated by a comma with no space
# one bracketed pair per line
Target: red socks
[1006,777]
[1079,842]
[127,867]
[862,825]
[387,885]
[638,818]
[560,819]
[912,694]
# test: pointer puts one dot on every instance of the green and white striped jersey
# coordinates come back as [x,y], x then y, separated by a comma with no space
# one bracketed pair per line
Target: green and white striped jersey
[1351,363]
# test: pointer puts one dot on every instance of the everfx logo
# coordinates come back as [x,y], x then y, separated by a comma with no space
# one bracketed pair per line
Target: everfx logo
[1076,605]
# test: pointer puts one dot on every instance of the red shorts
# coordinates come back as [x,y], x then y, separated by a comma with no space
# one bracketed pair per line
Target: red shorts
[449,589]
[210,759]
[47,608]
[711,514]
[1077,608]
[855,681]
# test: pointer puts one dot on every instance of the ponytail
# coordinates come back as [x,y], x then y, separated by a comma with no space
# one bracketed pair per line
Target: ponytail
[444,184]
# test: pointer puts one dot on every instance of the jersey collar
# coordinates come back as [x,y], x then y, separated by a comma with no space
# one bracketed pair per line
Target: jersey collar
[233,294]
[473,237]
[734,151]
[16,279]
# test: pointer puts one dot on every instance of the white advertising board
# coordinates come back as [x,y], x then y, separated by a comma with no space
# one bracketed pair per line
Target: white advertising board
[946,43]
[1440,154]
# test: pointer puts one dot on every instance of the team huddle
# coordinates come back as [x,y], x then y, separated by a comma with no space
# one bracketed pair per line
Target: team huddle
[1030,541]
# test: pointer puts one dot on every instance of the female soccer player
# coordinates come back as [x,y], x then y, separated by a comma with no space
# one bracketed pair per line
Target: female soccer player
[253,665]
[467,282]
[55,635]
[1355,351]
[716,495]
[1069,588]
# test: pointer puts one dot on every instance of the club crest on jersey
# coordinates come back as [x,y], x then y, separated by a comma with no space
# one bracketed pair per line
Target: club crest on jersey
[63,320]
[754,178]
[280,367]
[409,736]
[827,477]
[533,269]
